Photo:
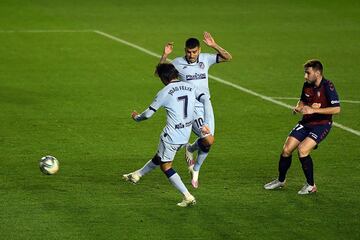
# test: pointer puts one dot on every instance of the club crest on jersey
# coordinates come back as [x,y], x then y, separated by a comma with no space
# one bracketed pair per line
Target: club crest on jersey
[201,65]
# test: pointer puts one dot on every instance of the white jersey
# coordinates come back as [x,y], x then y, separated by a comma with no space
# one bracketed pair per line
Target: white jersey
[178,98]
[197,72]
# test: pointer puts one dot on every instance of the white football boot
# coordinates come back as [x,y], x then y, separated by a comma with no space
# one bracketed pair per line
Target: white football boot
[187,201]
[194,177]
[307,189]
[274,184]
[133,177]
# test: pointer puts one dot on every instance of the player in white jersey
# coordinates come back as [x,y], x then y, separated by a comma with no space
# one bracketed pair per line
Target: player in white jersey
[178,98]
[194,67]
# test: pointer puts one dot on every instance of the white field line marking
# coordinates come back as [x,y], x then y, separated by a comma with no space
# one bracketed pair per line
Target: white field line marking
[292,98]
[270,99]
[47,31]
[128,43]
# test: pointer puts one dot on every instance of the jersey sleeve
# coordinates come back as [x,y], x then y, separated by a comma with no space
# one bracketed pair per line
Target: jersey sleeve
[211,58]
[176,64]
[158,101]
[154,106]
[332,95]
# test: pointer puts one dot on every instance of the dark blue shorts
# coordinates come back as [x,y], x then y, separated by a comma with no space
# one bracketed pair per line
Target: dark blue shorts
[316,132]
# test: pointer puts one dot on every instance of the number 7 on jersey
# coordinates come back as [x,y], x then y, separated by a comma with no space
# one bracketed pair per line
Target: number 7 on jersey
[185,99]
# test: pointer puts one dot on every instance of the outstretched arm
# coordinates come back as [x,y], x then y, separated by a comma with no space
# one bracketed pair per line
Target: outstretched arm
[153,107]
[167,50]
[209,40]
[143,116]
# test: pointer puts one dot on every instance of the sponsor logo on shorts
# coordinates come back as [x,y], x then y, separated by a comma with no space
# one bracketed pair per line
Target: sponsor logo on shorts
[314,135]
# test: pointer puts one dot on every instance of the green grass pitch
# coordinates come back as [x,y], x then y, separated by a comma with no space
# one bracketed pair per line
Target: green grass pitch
[70,94]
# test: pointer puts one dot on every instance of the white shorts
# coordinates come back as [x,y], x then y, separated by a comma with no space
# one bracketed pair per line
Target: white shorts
[199,122]
[167,151]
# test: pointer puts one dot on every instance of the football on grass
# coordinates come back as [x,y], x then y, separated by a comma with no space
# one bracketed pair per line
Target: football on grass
[49,165]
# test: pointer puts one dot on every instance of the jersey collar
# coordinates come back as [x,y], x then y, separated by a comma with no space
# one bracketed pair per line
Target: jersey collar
[174,81]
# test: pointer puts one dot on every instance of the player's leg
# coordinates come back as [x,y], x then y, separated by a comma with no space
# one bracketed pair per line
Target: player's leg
[285,159]
[304,150]
[149,166]
[135,176]
[153,163]
[297,134]
[202,145]
[196,128]
[203,151]
[316,135]
[167,157]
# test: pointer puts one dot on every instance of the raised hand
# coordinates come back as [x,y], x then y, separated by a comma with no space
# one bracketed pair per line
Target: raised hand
[209,40]
[168,48]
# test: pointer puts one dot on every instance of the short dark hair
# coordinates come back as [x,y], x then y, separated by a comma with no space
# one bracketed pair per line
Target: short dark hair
[192,43]
[166,72]
[315,64]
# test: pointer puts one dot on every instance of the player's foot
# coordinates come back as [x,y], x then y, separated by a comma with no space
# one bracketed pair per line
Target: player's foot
[133,177]
[189,201]
[189,156]
[274,184]
[307,189]
[194,177]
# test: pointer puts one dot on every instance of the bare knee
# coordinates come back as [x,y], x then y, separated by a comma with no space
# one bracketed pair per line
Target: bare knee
[164,166]
[208,140]
[303,151]
[287,151]
[290,145]
[205,143]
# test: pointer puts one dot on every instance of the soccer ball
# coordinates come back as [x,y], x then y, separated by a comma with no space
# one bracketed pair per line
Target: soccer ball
[49,165]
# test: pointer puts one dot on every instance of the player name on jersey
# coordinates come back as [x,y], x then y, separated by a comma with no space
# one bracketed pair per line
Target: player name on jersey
[178,88]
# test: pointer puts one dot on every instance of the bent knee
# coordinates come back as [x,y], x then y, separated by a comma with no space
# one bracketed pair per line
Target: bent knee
[208,140]
[286,152]
[303,151]
[164,166]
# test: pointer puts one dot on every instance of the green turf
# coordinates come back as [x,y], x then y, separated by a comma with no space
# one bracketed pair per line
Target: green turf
[71,94]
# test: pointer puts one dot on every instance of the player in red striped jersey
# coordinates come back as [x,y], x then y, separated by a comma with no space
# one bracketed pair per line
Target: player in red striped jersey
[318,102]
